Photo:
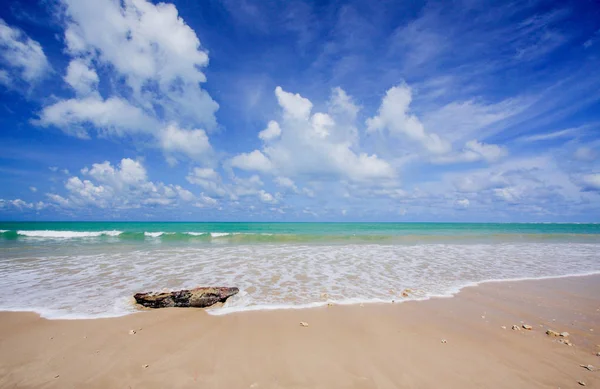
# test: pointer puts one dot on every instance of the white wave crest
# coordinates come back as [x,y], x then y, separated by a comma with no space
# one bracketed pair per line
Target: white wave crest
[67,234]
[153,234]
[218,234]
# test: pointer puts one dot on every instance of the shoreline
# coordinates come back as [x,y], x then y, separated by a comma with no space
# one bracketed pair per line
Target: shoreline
[224,310]
[376,345]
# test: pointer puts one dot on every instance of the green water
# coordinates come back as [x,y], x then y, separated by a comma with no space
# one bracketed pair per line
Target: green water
[294,232]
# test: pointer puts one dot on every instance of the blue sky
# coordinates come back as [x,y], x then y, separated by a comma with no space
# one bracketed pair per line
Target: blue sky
[300,110]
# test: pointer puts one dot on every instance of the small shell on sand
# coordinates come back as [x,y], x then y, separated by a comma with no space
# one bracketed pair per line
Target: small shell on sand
[56,376]
[581,383]
[145,366]
[564,334]
[132,332]
[516,327]
[588,367]
[503,327]
[527,327]
[552,333]
[304,324]
[444,341]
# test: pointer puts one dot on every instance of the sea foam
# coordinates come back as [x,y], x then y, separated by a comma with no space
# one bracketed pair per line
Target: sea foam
[270,276]
[67,234]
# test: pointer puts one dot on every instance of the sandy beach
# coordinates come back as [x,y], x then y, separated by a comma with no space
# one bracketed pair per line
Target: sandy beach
[459,342]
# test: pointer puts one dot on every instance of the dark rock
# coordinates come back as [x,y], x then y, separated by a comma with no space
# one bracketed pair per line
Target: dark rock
[198,297]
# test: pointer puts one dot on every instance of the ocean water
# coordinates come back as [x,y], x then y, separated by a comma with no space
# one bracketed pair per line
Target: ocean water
[90,270]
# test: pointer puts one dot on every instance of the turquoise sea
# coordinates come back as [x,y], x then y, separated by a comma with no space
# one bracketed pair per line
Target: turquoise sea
[91,269]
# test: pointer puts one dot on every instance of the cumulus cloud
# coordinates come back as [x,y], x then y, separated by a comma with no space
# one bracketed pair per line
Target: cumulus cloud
[156,59]
[320,145]
[83,79]
[23,57]
[113,116]
[211,182]
[294,106]
[271,132]
[119,187]
[395,117]
[193,143]
[252,161]
[22,205]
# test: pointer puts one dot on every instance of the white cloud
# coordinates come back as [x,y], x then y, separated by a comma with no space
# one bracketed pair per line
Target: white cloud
[22,205]
[5,78]
[209,180]
[462,203]
[239,187]
[464,120]
[119,187]
[59,200]
[114,116]
[474,151]
[33,189]
[294,106]
[266,197]
[569,132]
[510,194]
[286,183]
[193,143]
[184,194]
[205,202]
[252,161]
[24,57]
[129,173]
[152,60]
[591,181]
[341,104]
[475,182]
[320,145]
[535,184]
[394,116]
[487,152]
[83,79]
[271,132]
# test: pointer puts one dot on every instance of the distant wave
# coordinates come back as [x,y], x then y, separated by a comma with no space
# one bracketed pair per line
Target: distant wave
[284,237]
[57,234]
[67,234]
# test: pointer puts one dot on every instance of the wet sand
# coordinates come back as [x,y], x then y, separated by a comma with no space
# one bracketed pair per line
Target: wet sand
[374,346]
